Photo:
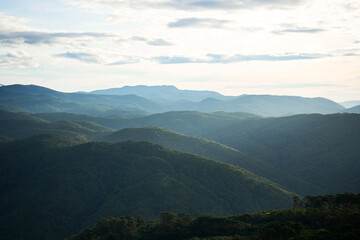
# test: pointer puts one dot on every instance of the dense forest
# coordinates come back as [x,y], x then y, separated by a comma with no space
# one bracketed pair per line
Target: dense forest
[53,185]
[316,219]
[322,150]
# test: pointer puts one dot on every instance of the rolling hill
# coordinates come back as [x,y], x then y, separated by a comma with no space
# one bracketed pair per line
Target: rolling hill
[19,125]
[187,122]
[213,150]
[322,150]
[51,186]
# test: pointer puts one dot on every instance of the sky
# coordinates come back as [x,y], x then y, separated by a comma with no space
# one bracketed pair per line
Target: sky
[307,48]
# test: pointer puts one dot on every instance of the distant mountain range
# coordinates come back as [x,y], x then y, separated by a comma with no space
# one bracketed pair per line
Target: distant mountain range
[355,109]
[140,100]
[163,93]
[350,104]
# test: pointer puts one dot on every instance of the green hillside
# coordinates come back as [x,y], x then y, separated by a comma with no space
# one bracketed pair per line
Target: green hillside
[323,150]
[4,114]
[19,128]
[186,122]
[51,187]
[213,150]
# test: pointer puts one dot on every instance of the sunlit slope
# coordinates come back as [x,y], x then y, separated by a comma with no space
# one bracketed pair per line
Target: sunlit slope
[213,150]
[323,150]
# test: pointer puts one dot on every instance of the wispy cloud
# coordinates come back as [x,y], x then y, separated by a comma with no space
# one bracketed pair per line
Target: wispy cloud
[97,58]
[218,58]
[228,4]
[81,56]
[17,59]
[294,85]
[37,37]
[184,4]
[11,23]
[351,5]
[198,22]
[300,30]
[152,42]
[124,60]
[292,28]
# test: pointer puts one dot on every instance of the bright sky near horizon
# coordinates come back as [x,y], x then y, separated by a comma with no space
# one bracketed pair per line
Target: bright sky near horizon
[306,48]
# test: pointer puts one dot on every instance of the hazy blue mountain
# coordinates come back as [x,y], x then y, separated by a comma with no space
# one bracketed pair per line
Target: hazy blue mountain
[323,150]
[266,105]
[18,89]
[39,99]
[355,109]
[162,93]
[174,99]
[213,150]
[350,104]
[51,186]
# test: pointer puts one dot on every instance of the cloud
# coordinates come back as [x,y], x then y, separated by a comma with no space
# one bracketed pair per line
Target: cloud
[37,37]
[17,59]
[294,85]
[291,28]
[219,58]
[229,4]
[81,56]
[176,60]
[198,22]
[351,5]
[158,42]
[152,42]
[124,60]
[184,4]
[300,30]
[11,23]
[98,58]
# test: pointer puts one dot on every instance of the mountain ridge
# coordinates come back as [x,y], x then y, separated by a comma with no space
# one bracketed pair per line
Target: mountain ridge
[137,103]
[213,150]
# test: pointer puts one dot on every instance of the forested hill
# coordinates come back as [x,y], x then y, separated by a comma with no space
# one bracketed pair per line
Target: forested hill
[213,150]
[187,122]
[51,187]
[319,149]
